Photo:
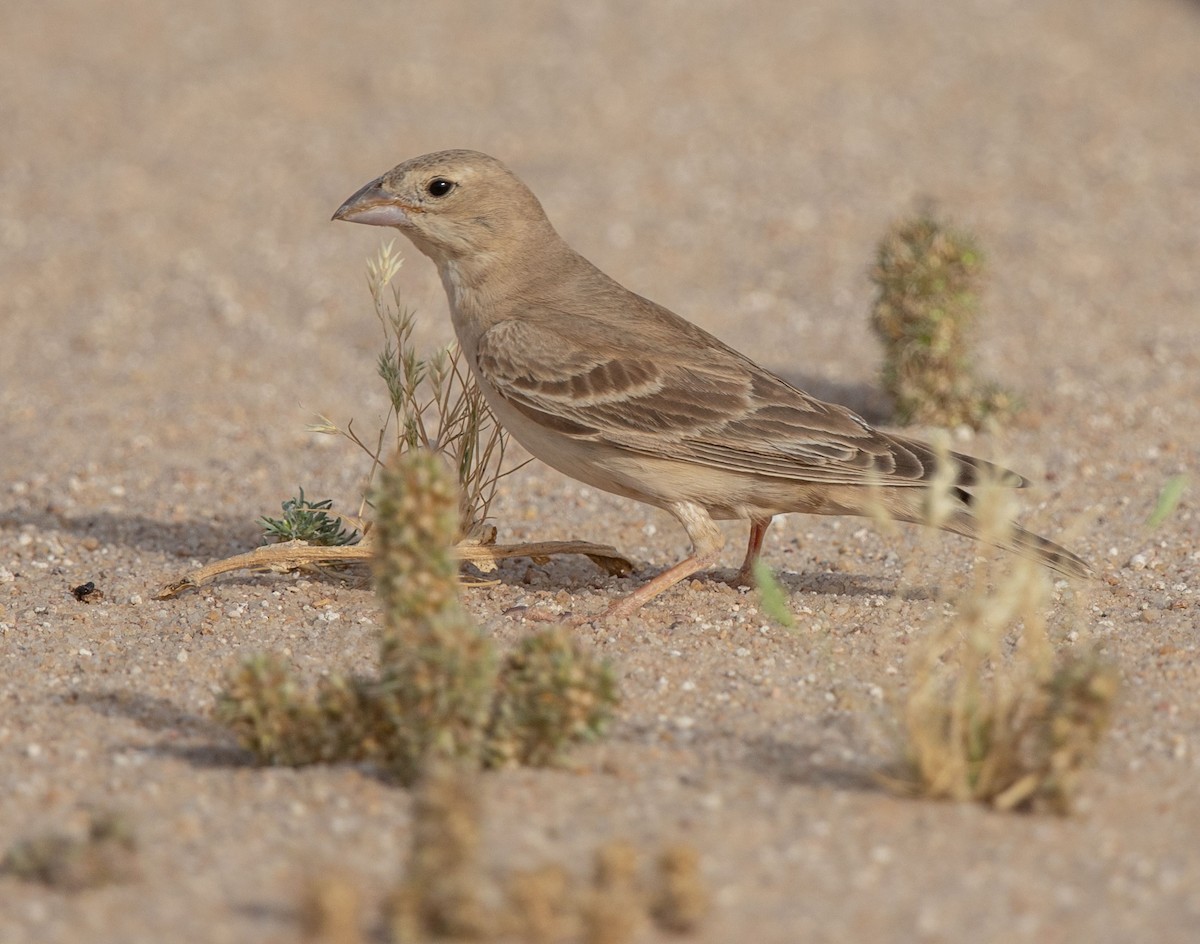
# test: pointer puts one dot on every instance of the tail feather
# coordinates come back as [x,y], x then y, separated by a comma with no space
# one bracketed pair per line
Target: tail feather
[972,472]
[1023,542]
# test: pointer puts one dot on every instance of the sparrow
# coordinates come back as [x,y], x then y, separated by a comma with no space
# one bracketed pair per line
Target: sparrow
[618,392]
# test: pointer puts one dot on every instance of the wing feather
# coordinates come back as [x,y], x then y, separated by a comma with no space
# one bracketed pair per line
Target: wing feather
[717,408]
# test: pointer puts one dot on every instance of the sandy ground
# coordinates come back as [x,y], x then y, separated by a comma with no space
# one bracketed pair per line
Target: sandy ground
[176,307]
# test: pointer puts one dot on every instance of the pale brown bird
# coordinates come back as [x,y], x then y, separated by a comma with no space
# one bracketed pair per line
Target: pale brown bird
[620,393]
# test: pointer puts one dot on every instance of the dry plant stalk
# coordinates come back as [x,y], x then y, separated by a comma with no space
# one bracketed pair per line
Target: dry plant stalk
[927,279]
[434,405]
[1010,726]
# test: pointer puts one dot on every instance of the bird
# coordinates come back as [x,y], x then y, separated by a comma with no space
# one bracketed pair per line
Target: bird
[622,394]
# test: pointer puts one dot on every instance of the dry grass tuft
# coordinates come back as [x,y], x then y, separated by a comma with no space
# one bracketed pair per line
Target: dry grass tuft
[927,278]
[993,712]
[434,406]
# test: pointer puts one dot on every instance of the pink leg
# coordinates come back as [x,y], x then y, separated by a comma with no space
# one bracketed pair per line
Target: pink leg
[707,542]
[758,531]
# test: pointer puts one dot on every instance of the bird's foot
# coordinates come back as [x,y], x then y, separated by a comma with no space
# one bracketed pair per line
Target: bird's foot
[742,579]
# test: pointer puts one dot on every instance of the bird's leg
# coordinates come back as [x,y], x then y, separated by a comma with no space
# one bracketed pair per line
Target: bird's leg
[707,541]
[758,530]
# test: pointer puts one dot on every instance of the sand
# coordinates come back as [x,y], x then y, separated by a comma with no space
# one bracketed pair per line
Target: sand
[177,307]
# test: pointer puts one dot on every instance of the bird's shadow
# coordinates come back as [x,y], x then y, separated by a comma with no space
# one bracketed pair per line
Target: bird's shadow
[831,583]
[218,536]
[804,763]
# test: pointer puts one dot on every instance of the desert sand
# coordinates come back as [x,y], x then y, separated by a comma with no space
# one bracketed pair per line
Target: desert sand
[177,308]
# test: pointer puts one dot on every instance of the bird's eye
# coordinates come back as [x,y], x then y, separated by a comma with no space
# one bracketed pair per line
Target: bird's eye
[439,187]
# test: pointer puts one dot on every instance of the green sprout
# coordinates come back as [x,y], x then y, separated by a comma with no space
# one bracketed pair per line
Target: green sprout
[772,599]
[309,522]
[1168,501]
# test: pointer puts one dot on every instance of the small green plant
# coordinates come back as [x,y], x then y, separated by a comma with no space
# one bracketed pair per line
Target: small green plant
[927,277]
[441,694]
[310,522]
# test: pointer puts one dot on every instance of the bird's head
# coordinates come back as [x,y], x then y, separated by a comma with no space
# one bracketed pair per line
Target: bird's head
[453,205]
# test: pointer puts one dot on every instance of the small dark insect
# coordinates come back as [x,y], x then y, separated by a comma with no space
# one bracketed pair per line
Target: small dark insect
[87,593]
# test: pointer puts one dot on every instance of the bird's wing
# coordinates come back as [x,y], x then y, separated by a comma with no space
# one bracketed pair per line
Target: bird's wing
[702,403]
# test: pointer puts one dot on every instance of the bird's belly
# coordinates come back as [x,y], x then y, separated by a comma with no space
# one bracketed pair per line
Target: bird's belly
[656,481]
[592,463]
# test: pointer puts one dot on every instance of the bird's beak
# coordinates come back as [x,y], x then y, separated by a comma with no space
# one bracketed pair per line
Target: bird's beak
[374,206]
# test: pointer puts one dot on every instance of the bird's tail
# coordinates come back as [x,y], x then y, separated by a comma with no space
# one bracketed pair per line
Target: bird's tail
[1020,541]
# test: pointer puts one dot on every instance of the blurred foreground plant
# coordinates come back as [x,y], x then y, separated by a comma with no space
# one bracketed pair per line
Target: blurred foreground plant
[441,693]
[446,893]
[105,855]
[927,277]
[1011,725]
